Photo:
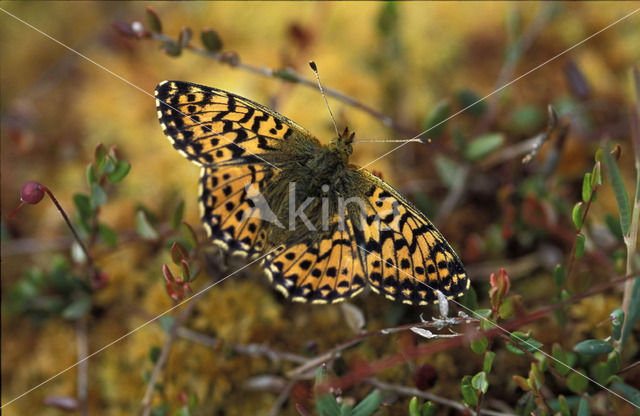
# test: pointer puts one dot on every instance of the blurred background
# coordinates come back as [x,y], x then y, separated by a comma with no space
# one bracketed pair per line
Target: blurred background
[413,63]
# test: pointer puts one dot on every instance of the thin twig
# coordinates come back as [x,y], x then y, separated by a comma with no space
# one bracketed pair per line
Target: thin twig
[282,398]
[83,368]
[450,343]
[408,391]
[73,230]
[250,349]
[293,77]
[507,70]
[313,363]
[164,355]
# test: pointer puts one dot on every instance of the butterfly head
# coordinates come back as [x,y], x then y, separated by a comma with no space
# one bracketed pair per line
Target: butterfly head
[342,144]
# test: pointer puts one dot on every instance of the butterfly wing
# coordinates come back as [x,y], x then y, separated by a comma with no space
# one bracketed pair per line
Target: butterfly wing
[404,255]
[230,137]
[210,126]
[321,270]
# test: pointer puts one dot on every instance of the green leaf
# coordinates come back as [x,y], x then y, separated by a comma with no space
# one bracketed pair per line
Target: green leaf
[586,188]
[564,359]
[628,392]
[563,406]
[171,48]
[77,308]
[98,196]
[326,404]
[543,361]
[368,405]
[525,341]
[91,175]
[107,167]
[601,372]
[583,407]
[428,409]
[480,382]
[99,155]
[559,275]
[614,226]
[483,315]
[619,190]
[145,229]
[634,310]
[107,235]
[593,347]
[414,410]
[434,124]
[479,345]
[596,175]
[482,145]
[153,21]
[614,362]
[83,205]
[447,170]
[468,98]
[536,376]
[190,235]
[577,382]
[211,40]
[525,119]
[178,214]
[167,322]
[579,245]
[469,394]
[154,353]
[120,171]
[178,253]
[488,361]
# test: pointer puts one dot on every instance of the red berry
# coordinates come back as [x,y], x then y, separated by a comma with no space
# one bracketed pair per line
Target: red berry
[31,192]
[425,377]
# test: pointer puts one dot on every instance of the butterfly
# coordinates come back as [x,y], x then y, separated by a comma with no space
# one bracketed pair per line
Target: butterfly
[325,228]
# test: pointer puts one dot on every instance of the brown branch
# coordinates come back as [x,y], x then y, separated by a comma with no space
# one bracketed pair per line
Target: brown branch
[313,363]
[83,364]
[370,370]
[164,355]
[408,391]
[250,349]
[282,398]
[295,78]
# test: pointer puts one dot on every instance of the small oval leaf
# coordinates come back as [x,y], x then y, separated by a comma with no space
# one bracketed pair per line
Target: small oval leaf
[576,215]
[579,245]
[593,347]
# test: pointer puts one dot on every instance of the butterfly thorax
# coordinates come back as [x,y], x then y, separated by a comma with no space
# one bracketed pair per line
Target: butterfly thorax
[315,179]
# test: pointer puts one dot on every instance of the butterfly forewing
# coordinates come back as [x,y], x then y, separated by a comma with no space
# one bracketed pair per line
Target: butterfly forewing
[211,126]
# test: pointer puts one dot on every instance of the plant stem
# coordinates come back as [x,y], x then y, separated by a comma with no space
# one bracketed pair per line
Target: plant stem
[631,239]
[83,366]
[295,78]
[73,230]
[164,355]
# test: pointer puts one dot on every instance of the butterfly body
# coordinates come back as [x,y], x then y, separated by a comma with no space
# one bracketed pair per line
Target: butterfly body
[326,228]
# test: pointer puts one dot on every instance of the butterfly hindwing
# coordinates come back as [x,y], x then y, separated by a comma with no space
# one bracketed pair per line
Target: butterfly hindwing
[230,210]
[324,270]
[405,256]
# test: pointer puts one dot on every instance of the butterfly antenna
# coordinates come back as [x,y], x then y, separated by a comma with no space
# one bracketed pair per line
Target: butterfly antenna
[314,68]
[427,140]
